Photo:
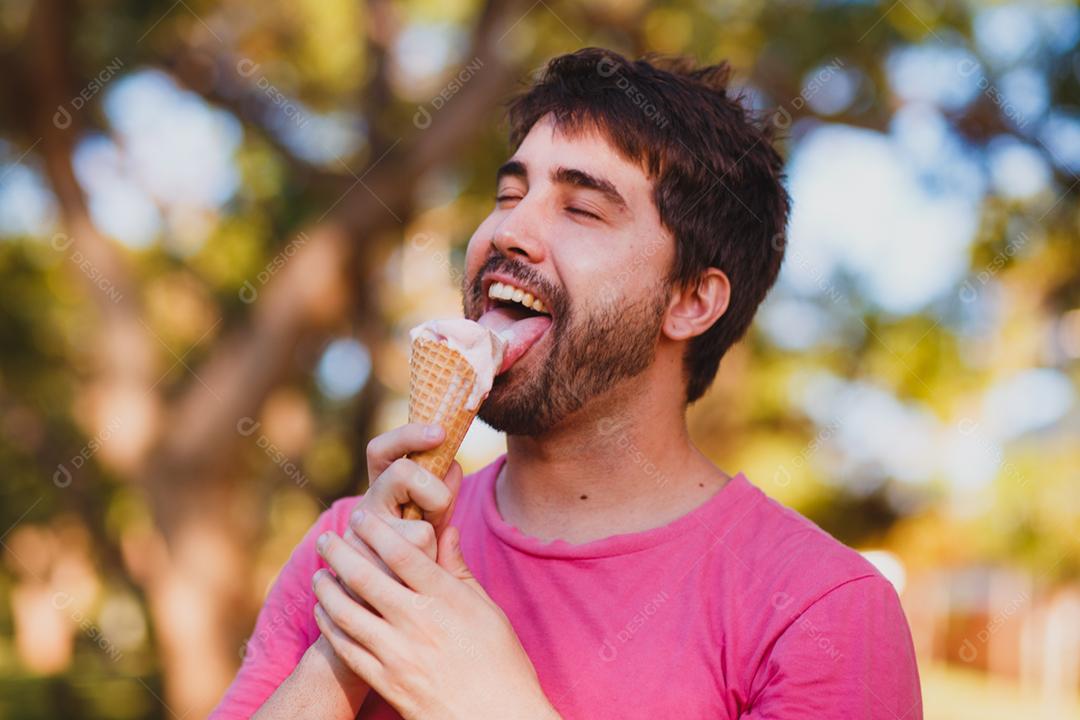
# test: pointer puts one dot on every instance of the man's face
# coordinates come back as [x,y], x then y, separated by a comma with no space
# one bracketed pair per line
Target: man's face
[575,224]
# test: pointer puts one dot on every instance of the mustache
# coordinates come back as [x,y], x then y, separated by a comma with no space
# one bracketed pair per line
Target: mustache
[525,275]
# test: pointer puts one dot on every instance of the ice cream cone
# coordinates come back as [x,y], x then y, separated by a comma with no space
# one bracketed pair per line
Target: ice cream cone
[440,381]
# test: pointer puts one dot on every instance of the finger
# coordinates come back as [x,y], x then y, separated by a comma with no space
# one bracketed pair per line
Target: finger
[404,480]
[358,622]
[355,656]
[406,560]
[453,562]
[361,547]
[389,446]
[418,532]
[440,520]
[386,595]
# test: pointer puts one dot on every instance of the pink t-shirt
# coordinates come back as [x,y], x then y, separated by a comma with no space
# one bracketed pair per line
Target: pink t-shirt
[740,609]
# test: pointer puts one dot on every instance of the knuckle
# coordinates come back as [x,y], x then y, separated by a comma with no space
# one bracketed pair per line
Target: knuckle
[374,447]
[426,533]
[352,579]
[396,470]
[420,533]
[403,669]
[398,682]
[398,558]
[443,498]
[358,633]
[351,627]
[409,473]
[353,656]
[393,472]
[388,478]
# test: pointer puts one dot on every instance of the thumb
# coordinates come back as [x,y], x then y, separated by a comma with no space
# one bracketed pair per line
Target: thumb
[451,559]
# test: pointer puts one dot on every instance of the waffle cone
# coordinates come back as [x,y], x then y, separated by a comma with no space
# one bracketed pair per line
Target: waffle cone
[440,380]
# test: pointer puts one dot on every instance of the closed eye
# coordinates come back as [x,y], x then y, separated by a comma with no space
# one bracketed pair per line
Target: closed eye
[585,213]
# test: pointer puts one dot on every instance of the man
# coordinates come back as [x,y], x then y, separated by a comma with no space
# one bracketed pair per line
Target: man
[603,567]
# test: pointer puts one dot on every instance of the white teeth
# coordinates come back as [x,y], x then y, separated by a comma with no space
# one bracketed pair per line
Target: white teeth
[502,291]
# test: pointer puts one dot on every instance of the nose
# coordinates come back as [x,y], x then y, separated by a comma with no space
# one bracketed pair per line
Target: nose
[517,236]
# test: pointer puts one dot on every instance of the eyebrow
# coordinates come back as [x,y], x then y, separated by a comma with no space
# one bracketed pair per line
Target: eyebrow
[567,176]
[512,168]
[582,179]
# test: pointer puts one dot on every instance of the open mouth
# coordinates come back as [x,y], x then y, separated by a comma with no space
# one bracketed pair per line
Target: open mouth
[517,314]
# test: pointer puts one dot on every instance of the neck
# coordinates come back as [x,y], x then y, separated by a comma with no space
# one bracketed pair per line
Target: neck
[623,463]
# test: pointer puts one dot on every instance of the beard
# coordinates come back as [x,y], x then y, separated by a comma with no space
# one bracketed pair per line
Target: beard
[588,355]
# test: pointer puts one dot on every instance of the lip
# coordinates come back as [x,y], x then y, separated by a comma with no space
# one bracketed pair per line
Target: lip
[494,277]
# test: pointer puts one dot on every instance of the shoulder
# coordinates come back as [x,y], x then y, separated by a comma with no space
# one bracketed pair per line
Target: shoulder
[788,554]
[818,612]
[305,559]
[294,578]
[285,627]
[852,645]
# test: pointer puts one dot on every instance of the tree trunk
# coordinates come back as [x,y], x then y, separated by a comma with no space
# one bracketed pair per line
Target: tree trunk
[196,567]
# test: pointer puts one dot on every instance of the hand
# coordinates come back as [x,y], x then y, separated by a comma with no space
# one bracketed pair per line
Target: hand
[321,683]
[436,646]
[395,480]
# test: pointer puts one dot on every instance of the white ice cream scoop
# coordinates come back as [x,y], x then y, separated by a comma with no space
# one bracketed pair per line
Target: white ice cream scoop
[483,348]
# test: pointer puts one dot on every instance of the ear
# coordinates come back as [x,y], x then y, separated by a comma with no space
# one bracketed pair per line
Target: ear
[696,306]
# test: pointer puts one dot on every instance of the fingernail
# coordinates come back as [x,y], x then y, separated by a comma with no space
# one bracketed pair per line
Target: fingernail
[432,432]
[320,544]
[357,516]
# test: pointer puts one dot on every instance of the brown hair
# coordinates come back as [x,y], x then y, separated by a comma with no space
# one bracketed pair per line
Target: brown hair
[717,180]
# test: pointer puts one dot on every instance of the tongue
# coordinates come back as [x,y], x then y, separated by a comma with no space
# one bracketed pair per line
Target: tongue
[520,334]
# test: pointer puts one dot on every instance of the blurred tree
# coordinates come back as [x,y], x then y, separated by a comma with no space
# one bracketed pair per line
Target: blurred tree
[178,441]
[153,362]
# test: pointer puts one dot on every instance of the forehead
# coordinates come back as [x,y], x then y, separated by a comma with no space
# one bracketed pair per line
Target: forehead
[585,148]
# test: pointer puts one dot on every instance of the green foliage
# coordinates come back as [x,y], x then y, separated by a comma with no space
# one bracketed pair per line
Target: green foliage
[326,55]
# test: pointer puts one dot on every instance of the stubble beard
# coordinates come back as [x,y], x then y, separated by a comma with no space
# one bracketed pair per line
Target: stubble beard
[586,358]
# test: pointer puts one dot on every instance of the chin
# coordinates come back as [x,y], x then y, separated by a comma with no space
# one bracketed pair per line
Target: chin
[513,423]
[518,406]
[510,412]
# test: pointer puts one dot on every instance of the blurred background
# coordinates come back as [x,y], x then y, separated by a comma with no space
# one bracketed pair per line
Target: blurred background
[219,218]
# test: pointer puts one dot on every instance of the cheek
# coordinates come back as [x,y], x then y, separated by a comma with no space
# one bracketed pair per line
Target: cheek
[645,263]
[477,250]
[612,279]
[594,276]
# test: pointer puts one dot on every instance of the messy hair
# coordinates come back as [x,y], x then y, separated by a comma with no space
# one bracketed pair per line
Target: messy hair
[717,179]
